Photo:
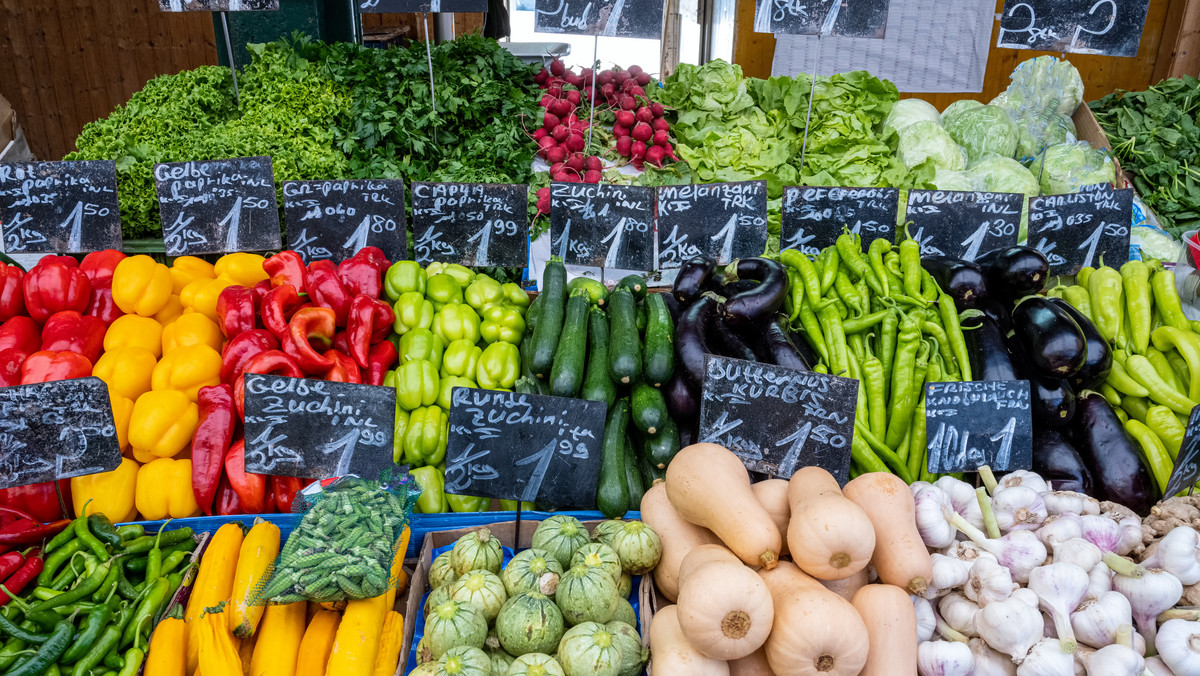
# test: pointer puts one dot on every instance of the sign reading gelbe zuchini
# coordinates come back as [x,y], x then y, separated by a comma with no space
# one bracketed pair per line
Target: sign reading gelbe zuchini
[218,206]
[609,18]
[218,5]
[1187,463]
[777,419]
[56,430]
[858,19]
[1080,229]
[602,226]
[968,425]
[1110,27]
[963,224]
[334,219]
[724,221]
[419,6]
[814,217]
[472,224]
[529,447]
[59,207]
[317,429]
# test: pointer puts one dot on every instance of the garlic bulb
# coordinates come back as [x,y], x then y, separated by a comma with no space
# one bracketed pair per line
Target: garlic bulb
[1047,658]
[1178,644]
[1097,620]
[959,613]
[1077,551]
[962,498]
[1115,660]
[1099,581]
[1156,667]
[1011,626]
[1059,528]
[1102,532]
[1025,594]
[987,582]
[948,573]
[1060,587]
[1070,502]
[1179,554]
[988,662]
[931,503]
[966,550]
[1148,596]
[1020,551]
[945,658]
[1018,508]
[925,619]
[1023,478]
[1129,526]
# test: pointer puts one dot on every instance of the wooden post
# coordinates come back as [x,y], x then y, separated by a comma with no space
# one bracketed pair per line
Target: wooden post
[670,42]
[1179,50]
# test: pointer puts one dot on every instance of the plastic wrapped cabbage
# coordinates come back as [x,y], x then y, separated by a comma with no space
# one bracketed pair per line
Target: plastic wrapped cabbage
[926,140]
[983,131]
[957,108]
[1004,174]
[1035,132]
[1067,167]
[909,111]
[1043,83]
[947,179]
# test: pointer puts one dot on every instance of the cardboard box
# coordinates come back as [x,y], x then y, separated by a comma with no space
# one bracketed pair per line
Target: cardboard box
[1088,129]
[13,147]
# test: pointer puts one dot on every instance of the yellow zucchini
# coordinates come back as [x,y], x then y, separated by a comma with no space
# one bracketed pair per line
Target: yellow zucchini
[214,583]
[389,644]
[167,653]
[357,642]
[257,553]
[317,643]
[278,640]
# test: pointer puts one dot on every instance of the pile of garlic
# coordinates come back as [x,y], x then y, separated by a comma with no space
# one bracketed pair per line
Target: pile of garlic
[1028,581]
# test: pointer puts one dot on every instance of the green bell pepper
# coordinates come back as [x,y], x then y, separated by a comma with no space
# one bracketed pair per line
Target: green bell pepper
[403,277]
[398,432]
[462,274]
[466,503]
[447,389]
[443,290]
[456,322]
[426,436]
[499,366]
[412,312]
[511,506]
[421,344]
[433,489]
[416,384]
[482,292]
[516,296]
[461,358]
[502,323]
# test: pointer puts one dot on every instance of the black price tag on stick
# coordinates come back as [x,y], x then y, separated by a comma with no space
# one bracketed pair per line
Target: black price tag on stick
[823,17]
[218,5]
[528,447]
[963,224]
[1187,463]
[317,429]
[472,224]
[56,430]
[969,425]
[776,419]
[609,18]
[1078,26]
[724,221]
[420,6]
[218,206]
[59,207]
[814,217]
[334,219]
[602,226]
[1079,229]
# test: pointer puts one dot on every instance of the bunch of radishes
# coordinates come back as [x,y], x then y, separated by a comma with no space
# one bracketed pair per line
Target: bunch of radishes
[561,139]
[641,130]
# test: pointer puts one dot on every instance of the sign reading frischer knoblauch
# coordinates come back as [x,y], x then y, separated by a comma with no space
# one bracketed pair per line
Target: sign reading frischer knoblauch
[1110,27]
[218,206]
[838,18]
[978,423]
[334,219]
[609,18]
[218,5]
[418,6]
[59,207]
[723,221]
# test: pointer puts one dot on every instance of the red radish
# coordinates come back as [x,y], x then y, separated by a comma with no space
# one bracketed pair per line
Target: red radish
[625,118]
[575,162]
[573,178]
[592,176]
[624,146]
[607,89]
[643,79]
[558,168]
[644,115]
[557,68]
[639,149]
[565,108]
[619,130]
[593,163]
[660,124]
[544,193]
[546,101]
[555,91]
[543,206]
[636,91]
[540,134]
[620,75]
[574,97]
[628,102]
[641,132]
[628,84]
[587,73]
[661,138]
[656,109]
[546,143]
[560,133]
[604,77]
[654,155]
[635,70]
[670,151]
[556,154]
[542,76]
[550,121]
[575,142]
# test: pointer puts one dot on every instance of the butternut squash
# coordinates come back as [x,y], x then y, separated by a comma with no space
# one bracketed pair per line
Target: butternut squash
[256,555]
[214,583]
[317,643]
[709,486]
[900,556]
[724,609]
[891,629]
[356,644]
[278,639]
[830,538]
[846,586]
[816,632]
[754,664]
[772,494]
[389,644]
[678,537]
[672,655]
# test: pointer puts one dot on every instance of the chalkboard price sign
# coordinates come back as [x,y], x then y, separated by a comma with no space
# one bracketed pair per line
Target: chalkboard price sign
[715,220]
[218,206]
[813,217]
[978,423]
[609,18]
[1077,230]
[1108,27]
[839,18]
[218,5]
[56,430]
[473,224]
[776,419]
[418,6]
[963,224]
[1187,463]
[59,207]
[603,226]
[334,219]
[513,446]
[317,429]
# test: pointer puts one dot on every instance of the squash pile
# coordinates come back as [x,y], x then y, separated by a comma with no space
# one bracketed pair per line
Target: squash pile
[559,608]
[772,578]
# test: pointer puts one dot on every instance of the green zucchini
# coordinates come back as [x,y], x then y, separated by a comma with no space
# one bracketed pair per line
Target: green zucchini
[641,318]
[650,473]
[658,449]
[612,490]
[636,285]
[549,319]
[597,385]
[633,476]
[567,374]
[649,408]
[596,291]
[658,355]
[624,343]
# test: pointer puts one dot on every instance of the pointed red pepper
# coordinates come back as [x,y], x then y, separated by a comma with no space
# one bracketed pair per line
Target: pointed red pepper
[326,290]
[12,300]
[56,283]
[251,489]
[271,362]
[344,369]
[278,306]
[310,333]
[211,441]
[286,267]
[103,307]
[340,343]
[284,490]
[362,273]
[382,357]
[227,503]
[22,334]
[17,582]
[237,310]
[44,367]
[69,331]
[99,267]
[39,500]
[241,349]
[370,322]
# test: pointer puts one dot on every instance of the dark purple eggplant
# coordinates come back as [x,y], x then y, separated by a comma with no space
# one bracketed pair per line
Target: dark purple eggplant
[1099,353]
[1047,334]
[999,314]
[726,342]
[990,359]
[692,277]
[737,286]
[775,342]
[1052,401]
[682,401]
[691,338]
[674,307]
[961,280]
[1015,272]
[1057,461]
[762,301]
[1114,459]
[802,346]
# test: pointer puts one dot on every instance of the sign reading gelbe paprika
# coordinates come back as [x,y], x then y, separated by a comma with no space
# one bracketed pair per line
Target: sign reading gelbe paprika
[218,206]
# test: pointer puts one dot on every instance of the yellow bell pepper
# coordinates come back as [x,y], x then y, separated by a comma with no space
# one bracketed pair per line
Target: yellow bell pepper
[111,493]
[122,408]
[134,331]
[141,285]
[163,422]
[187,369]
[192,328]
[201,295]
[126,370]
[169,312]
[164,490]
[186,269]
[243,268]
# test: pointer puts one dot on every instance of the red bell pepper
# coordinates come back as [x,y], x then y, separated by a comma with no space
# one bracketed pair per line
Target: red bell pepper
[20,333]
[362,273]
[271,362]
[44,367]
[325,290]
[278,306]
[370,322]
[241,349]
[237,310]
[103,307]
[310,333]
[227,503]
[69,331]
[383,356]
[17,582]
[12,298]
[344,369]
[11,361]
[56,283]
[213,437]
[251,489]
[286,267]
[38,500]
[284,490]
[99,267]
[340,343]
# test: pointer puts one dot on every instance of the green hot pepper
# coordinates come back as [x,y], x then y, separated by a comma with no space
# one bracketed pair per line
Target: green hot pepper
[104,530]
[49,653]
[1135,281]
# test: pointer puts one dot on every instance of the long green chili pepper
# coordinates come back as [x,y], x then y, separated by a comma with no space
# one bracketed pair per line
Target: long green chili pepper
[1135,281]
[145,543]
[878,449]
[154,558]
[146,610]
[795,296]
[942,343]
[1106,290]
[1143,372]
[875,253]
[107,642]
[1163,368]
[64,536]
[133,661]
[85,535]
[97,619]
[873,382]
[910,267]
[887,345]
[850,252]
[864,295]
[812,331]
[891,261]
[125,588]
[1166,298]
[1167,338]
[861,407]
[1181,368]
[1078,298]
[904,383]
[1153,450]
[908,340]
[1138,408]
[12,629]
[1121,380]
[130,531]
[830,262]
[865,323]
[14,647]
[857,345]
[49,653]
[56,561]
[104,530]
[805,270]
[862,454]
[85,589]
[954,333]
[1084,274]
[110,583]
[929,288]
[849,295]
[917,438]
[172,561]
[835,339]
